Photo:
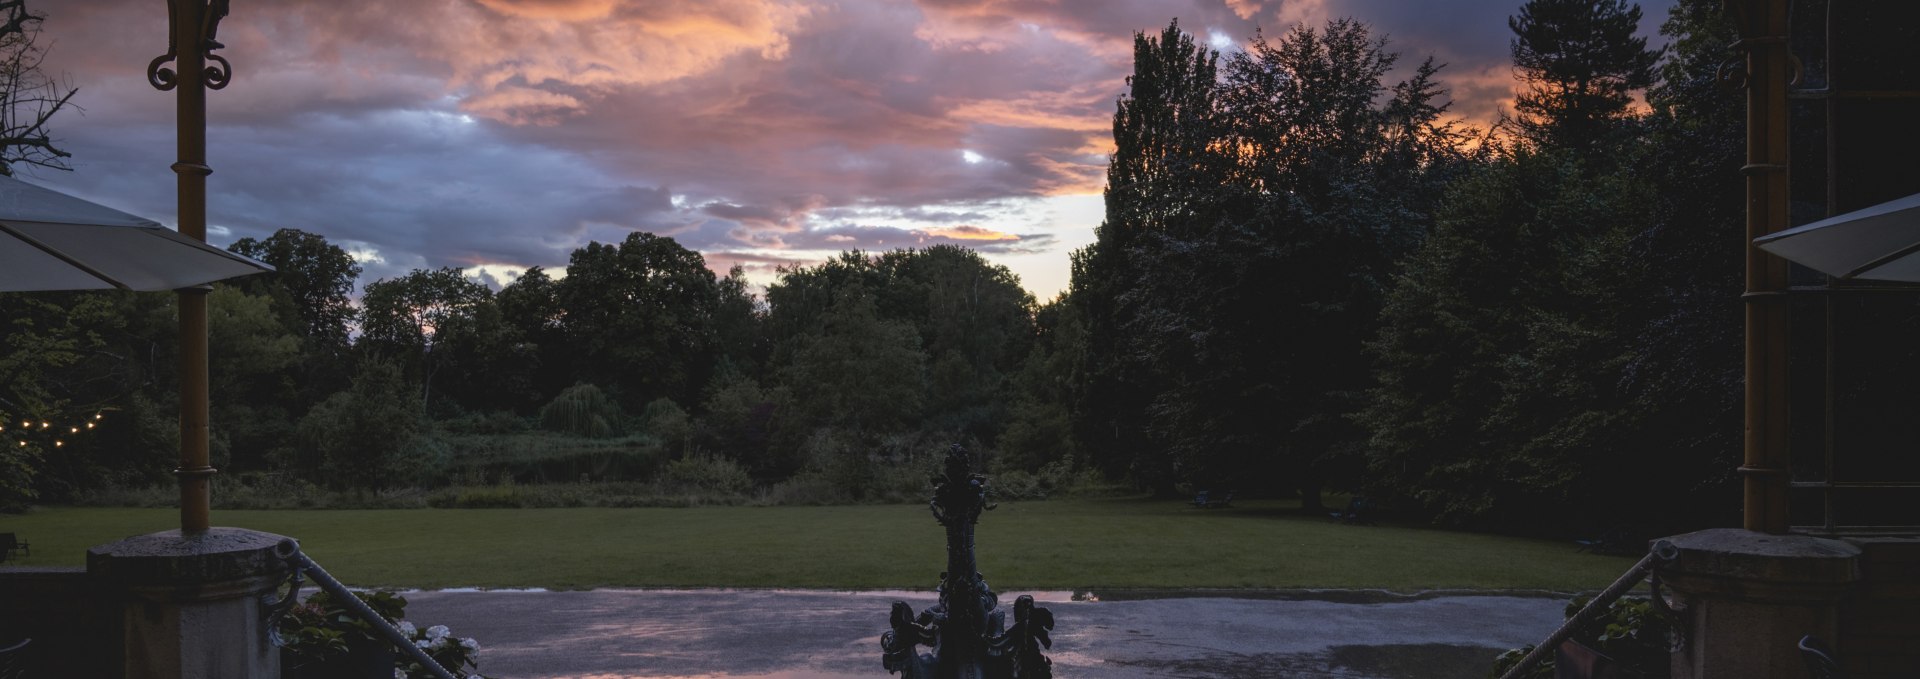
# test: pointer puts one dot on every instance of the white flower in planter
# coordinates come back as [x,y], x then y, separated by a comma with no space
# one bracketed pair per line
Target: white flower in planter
[406,628]
[436,632]
[470,644]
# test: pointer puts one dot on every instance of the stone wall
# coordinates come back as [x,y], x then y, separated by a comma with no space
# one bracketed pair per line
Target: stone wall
[1880,620]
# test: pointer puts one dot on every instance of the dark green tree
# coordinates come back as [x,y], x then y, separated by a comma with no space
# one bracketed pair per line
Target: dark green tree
[1163,176]
[639,318]
[1685,374]
[856,371]
[1569,328]
[311,285]
[1241,316]
[357,438]
[739,420]
[739,341]
[1040,425]
[541,360]
[971,319]
[311,291]
[975,324]
[252,359]
[418,320]
[1581,63]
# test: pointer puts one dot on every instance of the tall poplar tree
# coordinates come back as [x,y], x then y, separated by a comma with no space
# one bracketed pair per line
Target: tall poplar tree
[1160,178]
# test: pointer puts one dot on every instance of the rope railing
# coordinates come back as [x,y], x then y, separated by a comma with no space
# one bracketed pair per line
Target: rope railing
[302,565]
[1662,552]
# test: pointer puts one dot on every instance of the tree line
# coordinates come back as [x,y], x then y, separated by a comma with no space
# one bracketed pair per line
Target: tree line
[1310,279]
[1309,275]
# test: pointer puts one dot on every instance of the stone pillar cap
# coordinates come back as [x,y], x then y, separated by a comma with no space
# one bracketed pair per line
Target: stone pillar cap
[171,558]
[1732,555]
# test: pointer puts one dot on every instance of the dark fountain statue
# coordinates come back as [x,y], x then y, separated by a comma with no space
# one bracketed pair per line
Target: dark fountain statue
[968,638]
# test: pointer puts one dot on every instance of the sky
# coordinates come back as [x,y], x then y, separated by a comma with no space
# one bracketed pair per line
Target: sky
[495,135]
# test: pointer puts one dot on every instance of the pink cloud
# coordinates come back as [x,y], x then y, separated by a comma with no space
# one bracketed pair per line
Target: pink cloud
[511,131]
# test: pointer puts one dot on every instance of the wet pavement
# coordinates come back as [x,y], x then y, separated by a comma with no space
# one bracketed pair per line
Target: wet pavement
[782,634]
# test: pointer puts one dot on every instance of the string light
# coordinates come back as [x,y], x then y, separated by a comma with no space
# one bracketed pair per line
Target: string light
[26,427]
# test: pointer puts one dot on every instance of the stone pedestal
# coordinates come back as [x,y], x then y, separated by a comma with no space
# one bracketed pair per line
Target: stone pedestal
[1749,597]
[193,604]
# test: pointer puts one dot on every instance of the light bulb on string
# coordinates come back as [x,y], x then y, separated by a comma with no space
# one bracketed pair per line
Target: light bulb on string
[89,425]
[57,444]
[73,430]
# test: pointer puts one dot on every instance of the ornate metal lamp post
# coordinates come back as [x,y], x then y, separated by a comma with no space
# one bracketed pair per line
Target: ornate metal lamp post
[968,638]
[191,44]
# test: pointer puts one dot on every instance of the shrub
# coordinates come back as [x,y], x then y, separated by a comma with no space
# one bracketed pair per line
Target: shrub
[352,438]
[494,423]
[667,423]
[426,462]
[706,472]
[320,632]
[543,457]
[807,488]
[1631,631]
[583,410]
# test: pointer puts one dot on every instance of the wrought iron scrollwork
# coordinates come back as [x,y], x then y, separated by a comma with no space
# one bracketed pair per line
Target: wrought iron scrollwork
[968,637]
[1733,74]
[276,607]
[217,71]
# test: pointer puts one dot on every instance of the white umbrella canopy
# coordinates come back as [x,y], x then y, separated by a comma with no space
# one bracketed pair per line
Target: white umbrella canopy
[52,241]
[1880,243]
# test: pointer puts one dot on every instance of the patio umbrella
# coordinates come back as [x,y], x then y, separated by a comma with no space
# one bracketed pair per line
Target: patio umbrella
[1880,243]
[52,241]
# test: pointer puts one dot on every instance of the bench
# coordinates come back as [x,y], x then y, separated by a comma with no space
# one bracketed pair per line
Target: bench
[1206,500]
[1613,542]
[1359,511]
[10,544]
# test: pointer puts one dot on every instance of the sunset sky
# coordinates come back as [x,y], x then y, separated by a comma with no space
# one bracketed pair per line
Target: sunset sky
[495,135]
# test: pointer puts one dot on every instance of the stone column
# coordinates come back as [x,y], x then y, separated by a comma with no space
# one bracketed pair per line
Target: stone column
[1749,597]
[193,605]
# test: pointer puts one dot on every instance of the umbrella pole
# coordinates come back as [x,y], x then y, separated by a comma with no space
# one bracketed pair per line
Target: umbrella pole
[1763,31]
[189,19]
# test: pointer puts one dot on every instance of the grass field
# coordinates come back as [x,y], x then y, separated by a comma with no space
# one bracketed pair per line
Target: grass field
[1060,544]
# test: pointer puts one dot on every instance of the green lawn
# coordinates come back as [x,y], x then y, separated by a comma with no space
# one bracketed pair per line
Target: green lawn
[1062,544]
